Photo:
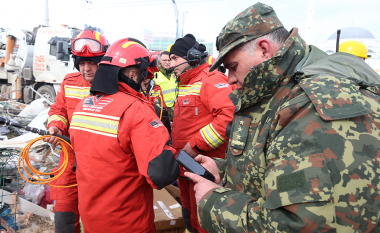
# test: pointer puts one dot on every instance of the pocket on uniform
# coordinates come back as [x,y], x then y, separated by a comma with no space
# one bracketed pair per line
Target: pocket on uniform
[303,180]
[239,134]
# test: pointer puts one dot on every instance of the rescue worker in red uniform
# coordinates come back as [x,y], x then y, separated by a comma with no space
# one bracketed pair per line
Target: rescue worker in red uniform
[88,49]
[119,144]
[202,114]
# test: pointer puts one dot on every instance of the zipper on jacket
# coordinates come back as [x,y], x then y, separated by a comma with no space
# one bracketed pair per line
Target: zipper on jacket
[196,111]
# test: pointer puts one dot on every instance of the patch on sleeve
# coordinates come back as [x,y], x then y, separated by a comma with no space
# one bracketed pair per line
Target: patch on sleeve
[156,123]
[221,85]
[295,180]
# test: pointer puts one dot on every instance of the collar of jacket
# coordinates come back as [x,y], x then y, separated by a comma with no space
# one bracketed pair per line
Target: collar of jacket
[129,90]
[191,75]
[263,80]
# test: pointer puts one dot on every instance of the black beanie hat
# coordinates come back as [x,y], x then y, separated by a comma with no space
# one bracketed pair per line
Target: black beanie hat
[182,45]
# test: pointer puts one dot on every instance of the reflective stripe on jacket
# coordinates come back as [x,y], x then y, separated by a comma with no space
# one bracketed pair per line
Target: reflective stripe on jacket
[168,87]
[73,88]
[121,154]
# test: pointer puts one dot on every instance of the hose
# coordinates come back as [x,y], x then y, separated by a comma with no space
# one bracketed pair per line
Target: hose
[24,158]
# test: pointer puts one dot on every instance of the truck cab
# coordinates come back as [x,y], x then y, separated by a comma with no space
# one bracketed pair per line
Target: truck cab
[38,62]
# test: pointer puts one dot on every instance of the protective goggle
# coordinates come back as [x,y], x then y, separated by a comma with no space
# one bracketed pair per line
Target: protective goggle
[93,45]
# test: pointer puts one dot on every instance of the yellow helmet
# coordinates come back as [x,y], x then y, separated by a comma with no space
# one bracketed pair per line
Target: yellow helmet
[355,48]
[170,46]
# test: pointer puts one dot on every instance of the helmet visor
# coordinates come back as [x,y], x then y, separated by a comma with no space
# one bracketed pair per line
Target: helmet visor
[93,45]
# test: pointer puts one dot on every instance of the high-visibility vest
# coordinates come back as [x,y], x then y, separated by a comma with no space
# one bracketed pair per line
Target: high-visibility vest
[169,87]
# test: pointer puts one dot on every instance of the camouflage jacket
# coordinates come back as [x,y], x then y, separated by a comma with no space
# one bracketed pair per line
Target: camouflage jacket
[304,150]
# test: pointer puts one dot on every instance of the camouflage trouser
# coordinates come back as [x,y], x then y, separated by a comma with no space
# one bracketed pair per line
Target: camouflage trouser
[171,113]
[189,206]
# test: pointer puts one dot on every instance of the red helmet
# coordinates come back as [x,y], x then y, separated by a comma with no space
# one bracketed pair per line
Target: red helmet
[89,43]
[123,53]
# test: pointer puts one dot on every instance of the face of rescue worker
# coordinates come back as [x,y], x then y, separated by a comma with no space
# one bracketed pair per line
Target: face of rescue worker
[238,61]
[176,60]
[87,69]
[165,61]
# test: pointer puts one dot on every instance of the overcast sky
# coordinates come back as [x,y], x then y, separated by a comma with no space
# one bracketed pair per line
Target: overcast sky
[204,19]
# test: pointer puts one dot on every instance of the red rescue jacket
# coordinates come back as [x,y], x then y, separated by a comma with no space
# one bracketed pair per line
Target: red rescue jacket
[72,90]
[121,155]
[202,112]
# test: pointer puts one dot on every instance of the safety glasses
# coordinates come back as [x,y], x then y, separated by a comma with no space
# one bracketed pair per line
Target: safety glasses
[93,45]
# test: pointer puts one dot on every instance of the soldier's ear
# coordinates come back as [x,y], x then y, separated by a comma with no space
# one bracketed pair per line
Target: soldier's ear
[265,48]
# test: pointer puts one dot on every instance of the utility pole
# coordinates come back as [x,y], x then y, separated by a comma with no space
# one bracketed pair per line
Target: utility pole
[176,18]
[183,21]
[47,12]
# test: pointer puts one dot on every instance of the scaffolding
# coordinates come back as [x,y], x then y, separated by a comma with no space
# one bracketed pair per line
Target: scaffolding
[9,185]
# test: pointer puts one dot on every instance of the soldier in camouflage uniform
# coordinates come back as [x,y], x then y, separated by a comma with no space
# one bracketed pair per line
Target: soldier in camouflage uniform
[304,149]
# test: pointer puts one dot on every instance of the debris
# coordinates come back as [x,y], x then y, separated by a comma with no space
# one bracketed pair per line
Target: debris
[33,192]
[25,206]
[38,224]
[22,215]
[34,108]
[8,227]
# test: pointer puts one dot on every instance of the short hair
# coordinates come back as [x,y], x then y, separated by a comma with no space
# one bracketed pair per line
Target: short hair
[278,37]
[165,53]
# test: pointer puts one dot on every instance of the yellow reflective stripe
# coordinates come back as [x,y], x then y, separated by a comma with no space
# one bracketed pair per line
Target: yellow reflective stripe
[76,87]
[96,115]
[104,126]
[189,89]
[128,44]
[97,36]
[79,35]
[93,131]
[76,92]
[57,118]
[212,136]
[155,94]
[204,139]
[220,138]
[210,60]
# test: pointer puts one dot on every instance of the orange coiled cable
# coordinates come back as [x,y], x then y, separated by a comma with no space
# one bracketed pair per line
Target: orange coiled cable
[162,106]
[24,157]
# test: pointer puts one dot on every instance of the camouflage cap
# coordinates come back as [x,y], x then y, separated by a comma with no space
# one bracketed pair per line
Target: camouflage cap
[256,21]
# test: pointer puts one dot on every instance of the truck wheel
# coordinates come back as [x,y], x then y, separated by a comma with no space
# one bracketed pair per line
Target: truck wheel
[46,91]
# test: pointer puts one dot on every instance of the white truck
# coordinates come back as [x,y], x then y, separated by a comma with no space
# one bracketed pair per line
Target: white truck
[37,60]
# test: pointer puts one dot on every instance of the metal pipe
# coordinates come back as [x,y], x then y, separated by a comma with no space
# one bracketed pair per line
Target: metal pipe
[47,12]
[9,48]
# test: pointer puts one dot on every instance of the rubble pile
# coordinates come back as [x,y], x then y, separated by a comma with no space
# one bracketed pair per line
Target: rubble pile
[25,207]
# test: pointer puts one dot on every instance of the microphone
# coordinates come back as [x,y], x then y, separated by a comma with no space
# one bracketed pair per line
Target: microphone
[170,70]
